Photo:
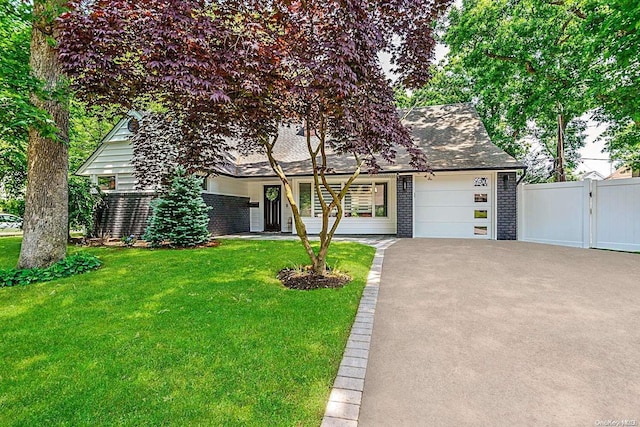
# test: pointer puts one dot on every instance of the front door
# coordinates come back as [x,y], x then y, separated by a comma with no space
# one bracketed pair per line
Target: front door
[272,208]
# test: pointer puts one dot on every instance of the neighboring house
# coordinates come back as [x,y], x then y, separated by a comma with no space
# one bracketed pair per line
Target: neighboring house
[621,173]
[592,175]
[472,193]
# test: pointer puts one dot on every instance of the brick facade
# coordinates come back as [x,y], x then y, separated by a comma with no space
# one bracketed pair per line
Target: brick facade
[127,213]
[506,209]
[405,206]
[230,214]
[123,214]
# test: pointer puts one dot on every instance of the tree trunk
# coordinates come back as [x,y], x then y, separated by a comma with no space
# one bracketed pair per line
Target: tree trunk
[46,200]
[561,175]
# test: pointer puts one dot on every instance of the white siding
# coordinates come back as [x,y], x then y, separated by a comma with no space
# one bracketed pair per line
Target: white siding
[227,186]
[113,157]
[125,182]
[120,132]
[360,225]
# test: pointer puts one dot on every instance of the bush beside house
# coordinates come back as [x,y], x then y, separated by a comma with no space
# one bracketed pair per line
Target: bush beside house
[180,216]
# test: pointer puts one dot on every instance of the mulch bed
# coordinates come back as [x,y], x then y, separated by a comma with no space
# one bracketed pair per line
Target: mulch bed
[294,278]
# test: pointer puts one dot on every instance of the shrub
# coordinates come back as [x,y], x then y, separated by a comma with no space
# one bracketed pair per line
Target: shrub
[84,198]
[180,216]
[70,266]
[13,206]
[130,240]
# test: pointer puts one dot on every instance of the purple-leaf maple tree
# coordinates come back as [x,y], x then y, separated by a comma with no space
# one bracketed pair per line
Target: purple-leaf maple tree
[241,69]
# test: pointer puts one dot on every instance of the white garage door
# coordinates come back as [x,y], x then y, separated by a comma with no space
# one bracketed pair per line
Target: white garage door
[454,205]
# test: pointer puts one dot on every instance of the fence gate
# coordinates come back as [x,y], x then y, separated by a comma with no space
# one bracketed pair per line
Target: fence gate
[586,214]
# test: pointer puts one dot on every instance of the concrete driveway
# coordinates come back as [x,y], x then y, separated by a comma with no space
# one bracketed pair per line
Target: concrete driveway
[471,332]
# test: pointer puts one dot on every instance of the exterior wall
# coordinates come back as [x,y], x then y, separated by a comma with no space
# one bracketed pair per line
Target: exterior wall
[360,225]
[405,206]
[230,214]
[227,186]
[506,207]
[386,225]
[256,214]
[127,213]
[113,158]
[124,214]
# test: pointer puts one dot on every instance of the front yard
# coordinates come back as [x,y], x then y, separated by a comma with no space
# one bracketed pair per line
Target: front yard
[181,337]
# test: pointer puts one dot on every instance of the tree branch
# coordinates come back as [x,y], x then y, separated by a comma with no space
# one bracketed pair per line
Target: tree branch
[527,64]
[573,9]
[301,230]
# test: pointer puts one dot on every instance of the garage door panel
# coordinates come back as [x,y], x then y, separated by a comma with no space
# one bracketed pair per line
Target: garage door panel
[446,206]
[451,183]
[449,213]
[449,230]
[446,198]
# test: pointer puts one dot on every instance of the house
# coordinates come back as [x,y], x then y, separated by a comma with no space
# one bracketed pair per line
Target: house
[623,172]
[471,194]
[592,175]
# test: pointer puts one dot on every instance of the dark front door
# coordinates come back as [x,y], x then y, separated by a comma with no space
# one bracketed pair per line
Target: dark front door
[272,208]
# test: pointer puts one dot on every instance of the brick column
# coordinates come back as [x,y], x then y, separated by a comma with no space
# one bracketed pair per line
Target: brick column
[506,209]
[405,206]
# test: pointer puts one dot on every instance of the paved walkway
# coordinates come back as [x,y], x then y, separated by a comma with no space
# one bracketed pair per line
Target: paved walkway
[371,240]
[504,333]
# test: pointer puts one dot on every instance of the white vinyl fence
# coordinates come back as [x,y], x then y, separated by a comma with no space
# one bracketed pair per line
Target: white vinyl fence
[585,214]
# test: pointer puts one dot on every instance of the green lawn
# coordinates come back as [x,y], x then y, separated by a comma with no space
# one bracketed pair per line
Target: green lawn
[181,337]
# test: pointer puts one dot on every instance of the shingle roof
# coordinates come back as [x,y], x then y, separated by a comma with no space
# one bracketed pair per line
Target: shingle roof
[452,137]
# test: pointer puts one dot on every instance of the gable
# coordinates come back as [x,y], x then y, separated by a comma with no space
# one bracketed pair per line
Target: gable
[114,152]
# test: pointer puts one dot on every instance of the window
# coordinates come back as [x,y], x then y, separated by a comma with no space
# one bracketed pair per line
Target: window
[317,207]
[107,182]
[480,214]
[133,125]
[363,200]
[480,230]
[358,201]
[480,197]
[480,182]
[304,190]
[380,198]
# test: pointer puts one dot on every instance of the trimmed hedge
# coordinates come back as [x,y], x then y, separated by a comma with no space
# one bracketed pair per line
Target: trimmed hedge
[70,266]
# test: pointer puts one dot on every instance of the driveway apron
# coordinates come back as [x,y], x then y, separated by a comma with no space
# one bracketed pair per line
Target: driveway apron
[471,332]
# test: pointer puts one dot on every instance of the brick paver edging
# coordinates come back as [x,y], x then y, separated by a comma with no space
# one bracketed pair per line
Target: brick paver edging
[343,408]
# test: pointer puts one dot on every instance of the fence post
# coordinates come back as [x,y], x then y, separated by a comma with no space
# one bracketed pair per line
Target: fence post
[593,229]
[586,213]
[520,214]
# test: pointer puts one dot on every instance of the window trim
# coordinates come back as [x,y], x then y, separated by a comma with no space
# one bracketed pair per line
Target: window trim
[115,181]
[372,182]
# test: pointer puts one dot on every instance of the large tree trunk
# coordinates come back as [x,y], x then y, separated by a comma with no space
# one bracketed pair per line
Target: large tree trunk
[46,200]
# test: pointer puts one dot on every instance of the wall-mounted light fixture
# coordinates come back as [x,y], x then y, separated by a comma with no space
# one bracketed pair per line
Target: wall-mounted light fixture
[505,181]
[404,183]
